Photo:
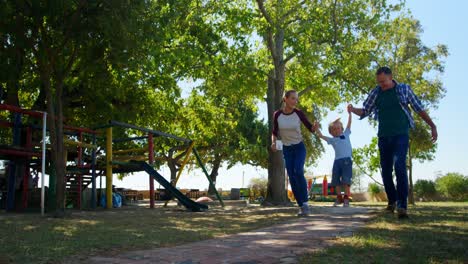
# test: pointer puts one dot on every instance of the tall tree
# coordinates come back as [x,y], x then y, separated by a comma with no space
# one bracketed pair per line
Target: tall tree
[89,61]
[318,48]
[226,133]
[220,113]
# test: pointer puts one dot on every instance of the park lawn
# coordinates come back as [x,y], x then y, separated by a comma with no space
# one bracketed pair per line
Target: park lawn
[29,238]
[435,233]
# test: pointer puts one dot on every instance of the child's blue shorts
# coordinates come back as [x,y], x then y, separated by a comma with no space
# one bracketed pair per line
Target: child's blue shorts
[342,172]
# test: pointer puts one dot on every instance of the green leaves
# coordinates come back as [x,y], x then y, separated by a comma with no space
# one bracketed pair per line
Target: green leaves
[453,185]
[367,159]
[126,61]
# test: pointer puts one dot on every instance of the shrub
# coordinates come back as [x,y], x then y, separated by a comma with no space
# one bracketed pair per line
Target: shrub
[258,187]
[374,188]
[425,189]
[453,186]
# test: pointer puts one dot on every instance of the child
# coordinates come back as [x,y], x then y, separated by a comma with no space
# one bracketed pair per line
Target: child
[343,165]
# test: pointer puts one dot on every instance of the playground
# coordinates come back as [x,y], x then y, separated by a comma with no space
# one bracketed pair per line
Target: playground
[90,153]
[92,159]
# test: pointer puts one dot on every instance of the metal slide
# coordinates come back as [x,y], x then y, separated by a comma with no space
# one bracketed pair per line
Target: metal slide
[187,202]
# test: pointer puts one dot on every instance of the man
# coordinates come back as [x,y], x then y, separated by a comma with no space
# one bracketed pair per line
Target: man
[389,103]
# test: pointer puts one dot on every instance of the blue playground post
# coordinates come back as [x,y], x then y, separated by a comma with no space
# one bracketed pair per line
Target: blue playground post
[12,165]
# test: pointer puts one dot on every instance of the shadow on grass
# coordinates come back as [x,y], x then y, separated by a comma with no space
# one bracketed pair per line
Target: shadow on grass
[26,238]
[433,234]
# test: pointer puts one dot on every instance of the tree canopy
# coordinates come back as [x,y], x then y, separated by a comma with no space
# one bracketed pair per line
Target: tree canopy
[87,62]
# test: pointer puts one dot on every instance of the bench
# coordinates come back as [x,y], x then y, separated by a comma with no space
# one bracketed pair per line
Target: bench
[132,195]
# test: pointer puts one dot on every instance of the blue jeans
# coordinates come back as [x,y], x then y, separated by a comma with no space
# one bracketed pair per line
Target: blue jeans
[393,151]
[294,157]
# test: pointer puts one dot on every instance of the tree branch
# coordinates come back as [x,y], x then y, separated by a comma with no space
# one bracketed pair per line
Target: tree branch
[335,24]
[293,9]
[290,57]
[73,20]
[70,62]
[367,174]
[265,14]
[309,88]
[271,43]
[269,35]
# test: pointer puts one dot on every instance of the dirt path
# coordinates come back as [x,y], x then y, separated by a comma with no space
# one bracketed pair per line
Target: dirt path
[282,243]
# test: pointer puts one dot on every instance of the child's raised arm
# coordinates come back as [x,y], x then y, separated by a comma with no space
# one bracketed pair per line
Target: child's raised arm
[350,118]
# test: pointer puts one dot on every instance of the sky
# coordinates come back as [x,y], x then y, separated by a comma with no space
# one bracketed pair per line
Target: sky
[443,22]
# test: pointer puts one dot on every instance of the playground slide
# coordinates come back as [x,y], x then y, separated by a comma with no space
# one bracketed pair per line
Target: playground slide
[187,202]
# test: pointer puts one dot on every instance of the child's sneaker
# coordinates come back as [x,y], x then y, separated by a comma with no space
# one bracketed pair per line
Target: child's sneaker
[338,200]
[304,210]
[346,201]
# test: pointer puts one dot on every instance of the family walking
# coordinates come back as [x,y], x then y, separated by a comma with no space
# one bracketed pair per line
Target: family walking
[388,103]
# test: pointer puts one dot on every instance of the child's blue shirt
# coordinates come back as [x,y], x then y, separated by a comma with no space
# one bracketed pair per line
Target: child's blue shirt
[342,145]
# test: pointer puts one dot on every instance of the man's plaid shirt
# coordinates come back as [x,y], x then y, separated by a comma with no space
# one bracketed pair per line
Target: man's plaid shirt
[405,95]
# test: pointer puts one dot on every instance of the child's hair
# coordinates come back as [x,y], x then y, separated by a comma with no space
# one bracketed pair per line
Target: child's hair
[332,124]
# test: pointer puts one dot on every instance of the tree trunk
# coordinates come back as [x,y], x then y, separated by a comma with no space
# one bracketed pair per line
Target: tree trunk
[276,190]
[60,164]
[12,86]
[172,164]
[55,124]
[53,67]
[274,39]
[11,94]
[214,174]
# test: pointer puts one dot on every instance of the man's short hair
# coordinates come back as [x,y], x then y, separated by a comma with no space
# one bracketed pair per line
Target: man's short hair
[385,70]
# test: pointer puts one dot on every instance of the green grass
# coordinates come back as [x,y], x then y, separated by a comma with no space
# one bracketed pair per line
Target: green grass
[435,233]
[29,238]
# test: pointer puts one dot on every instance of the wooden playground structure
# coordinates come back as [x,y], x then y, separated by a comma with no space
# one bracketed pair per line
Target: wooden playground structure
[90,153]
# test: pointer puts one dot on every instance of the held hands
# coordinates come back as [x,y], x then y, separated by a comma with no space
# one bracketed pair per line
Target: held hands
[273,147]
[316,126]
[350,108]
[434,134]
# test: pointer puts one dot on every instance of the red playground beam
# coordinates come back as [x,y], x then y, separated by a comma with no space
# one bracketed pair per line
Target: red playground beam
[20,110]
[23,153]
[39,115]
[5,124]
[80,129]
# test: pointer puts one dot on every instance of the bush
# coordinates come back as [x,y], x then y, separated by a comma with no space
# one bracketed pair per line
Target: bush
[374,188]
[258,187]
[453,186]
[425,189]
[376,192]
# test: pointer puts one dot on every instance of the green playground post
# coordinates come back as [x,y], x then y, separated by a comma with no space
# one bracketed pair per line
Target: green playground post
[109,168]
[51,193]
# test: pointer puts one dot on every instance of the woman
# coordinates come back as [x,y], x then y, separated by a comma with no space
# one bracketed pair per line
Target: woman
[287,126]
